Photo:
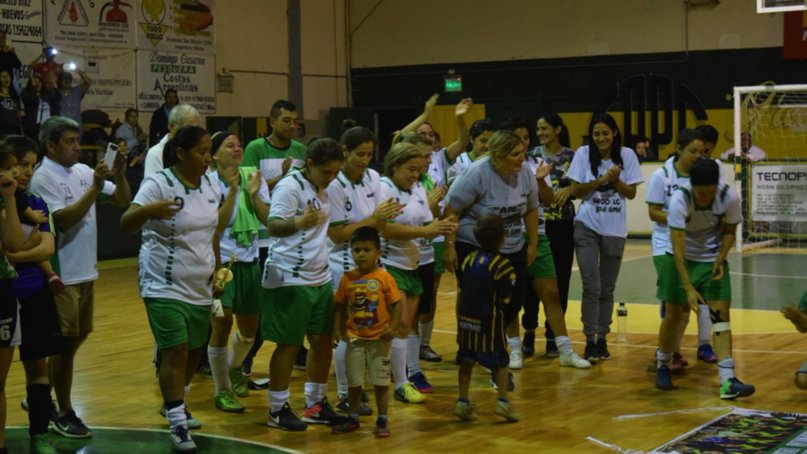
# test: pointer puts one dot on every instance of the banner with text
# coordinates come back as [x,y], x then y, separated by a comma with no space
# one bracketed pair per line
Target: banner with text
[191,75]
[176,26]
[90,23]
[22,20]
[777,192]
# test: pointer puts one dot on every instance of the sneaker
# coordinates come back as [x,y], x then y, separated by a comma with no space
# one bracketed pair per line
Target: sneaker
[602,349]
[238,382]
[181,439]
[465,411]
[511,386]
[420,382]
[322,413]
[707,354]
[351,425]
[259,384]
[516,359]
[193,423]
[591,353]
[246,366]
[678,362]
[733,388]
[71,426]
[42,444]
[427,354]
[381,428]
[286,419]
[572,359]
[552,349]
[54,414]
[302,355]
[664,378]
[409,394]
[528,344]
[226,401]
[343,405]
[505,410]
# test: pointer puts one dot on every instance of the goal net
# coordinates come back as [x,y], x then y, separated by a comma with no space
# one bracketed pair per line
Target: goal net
[770,157]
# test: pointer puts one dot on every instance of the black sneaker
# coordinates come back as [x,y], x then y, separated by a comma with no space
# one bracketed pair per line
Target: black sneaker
[602,349]
[552,349]
[286,419]
[69,425]
[302,355]
[528,344]
[344,406]
[322,413]
[592,354]
[663,378]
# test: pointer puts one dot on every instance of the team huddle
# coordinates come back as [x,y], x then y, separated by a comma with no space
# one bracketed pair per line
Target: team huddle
[310,244]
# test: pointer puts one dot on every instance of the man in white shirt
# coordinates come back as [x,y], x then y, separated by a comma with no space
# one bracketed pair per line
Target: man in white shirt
[181,115]
[748,150]
[71,190]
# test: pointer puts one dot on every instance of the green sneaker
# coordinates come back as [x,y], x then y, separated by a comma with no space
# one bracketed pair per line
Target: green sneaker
[464,411]
[238,382]
[226,401]
[42,444]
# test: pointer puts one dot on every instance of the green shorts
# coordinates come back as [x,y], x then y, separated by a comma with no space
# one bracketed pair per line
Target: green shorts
[292,312]
[439,248]
[174,322]
[671,291]
[244,293]
[544,265]
[408,280]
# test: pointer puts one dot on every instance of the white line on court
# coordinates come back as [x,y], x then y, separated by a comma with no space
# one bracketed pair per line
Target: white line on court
[773,276]
[675,412]
[612,447]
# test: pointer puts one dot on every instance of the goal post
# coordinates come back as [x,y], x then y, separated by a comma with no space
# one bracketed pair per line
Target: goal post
[770,164]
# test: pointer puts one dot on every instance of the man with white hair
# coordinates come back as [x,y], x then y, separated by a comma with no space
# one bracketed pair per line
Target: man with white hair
[181,115]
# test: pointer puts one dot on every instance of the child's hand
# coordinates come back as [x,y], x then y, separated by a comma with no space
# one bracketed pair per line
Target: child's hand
[388,334]
[37,216]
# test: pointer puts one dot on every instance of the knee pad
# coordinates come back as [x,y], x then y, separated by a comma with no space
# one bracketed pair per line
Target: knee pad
[719,327]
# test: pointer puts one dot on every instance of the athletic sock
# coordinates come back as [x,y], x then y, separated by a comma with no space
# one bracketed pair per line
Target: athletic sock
[340,367]
[277,399]
[39,408]
[725,368]
[398,361]
[663,359]
[426,329]
[704,324]
[240,347]
[217,356]
[413,354]
[564,344]
[514,343]
[175,414]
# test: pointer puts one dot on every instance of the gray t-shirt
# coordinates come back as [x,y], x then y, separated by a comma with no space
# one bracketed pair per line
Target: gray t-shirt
[481,190]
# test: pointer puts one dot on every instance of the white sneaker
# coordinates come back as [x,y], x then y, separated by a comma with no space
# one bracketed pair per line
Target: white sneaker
[572,359]
[516,358]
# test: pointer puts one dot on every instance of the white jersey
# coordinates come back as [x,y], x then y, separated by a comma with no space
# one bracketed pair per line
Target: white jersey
[302,257]
[703,226]
[154,158]
[350,203]
[227,244]
[439,167]
[176,258]
[534,162]
[463,162]
[405,254]
[604,210]
[480,190]
[77,247]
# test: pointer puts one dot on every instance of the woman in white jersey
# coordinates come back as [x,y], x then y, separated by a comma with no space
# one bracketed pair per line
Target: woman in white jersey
[663,182]
[354,197]
[481,132]
[177,210]
[604,177]
[299,299]
[246,208]
[498,184]
[401,254]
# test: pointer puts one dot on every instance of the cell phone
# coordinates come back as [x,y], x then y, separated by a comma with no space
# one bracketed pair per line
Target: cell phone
[111,154]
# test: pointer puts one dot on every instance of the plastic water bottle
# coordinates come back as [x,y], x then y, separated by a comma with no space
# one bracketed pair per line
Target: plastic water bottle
[622,323]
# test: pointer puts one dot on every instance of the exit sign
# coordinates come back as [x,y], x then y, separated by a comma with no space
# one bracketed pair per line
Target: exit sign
[452,83]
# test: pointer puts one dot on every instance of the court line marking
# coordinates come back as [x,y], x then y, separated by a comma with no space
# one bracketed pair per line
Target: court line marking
[675,412]
[773,276]
[612,447]
[222,437]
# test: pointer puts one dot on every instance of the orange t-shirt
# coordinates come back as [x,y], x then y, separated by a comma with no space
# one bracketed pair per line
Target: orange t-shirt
[369,297]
